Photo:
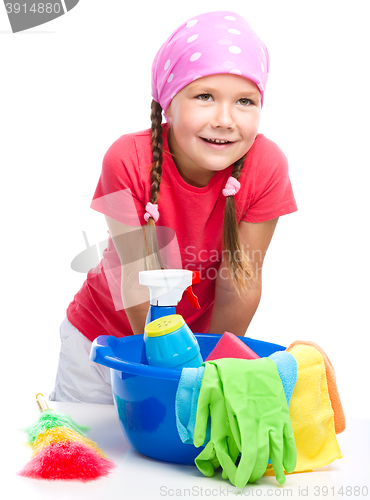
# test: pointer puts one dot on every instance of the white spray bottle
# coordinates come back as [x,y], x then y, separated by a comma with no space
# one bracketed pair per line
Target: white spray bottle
[166,288]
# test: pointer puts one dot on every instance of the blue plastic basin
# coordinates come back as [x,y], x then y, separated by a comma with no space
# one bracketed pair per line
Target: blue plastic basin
[144,396]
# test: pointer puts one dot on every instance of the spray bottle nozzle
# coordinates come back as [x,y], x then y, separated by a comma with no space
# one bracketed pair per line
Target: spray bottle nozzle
[192,298]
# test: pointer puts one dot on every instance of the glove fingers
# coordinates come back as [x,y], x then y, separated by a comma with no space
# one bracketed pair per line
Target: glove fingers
[290,449]
[248,457]
[276,455]
[210,403]
[200,428]
[209,389]
[226,462]
[262,459]
[245,467]
[207,461]
[233,449]
[233,454]
[235,429]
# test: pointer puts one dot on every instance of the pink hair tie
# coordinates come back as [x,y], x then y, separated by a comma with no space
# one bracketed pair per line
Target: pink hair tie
[151,211]
[232,187]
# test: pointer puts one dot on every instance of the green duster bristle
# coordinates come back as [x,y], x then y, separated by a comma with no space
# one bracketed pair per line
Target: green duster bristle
[49,419]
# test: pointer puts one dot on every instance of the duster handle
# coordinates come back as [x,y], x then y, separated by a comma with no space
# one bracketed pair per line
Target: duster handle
[41,402]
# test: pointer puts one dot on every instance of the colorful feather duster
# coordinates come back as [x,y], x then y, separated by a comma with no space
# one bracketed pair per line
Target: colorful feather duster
[61,449]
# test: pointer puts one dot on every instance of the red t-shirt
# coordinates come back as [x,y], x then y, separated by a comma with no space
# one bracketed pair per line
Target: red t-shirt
[192,215]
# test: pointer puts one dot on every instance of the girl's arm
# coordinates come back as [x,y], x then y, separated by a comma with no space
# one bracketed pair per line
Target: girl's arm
[232,312]
[129,243]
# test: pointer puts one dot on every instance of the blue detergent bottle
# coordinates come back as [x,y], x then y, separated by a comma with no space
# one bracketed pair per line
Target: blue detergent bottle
[166,287]
[169,343]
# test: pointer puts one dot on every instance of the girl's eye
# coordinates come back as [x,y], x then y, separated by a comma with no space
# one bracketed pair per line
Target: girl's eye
[204,97]
[245,102]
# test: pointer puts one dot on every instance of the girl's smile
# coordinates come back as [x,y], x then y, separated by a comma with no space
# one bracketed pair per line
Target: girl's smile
[217,143]
[213,122]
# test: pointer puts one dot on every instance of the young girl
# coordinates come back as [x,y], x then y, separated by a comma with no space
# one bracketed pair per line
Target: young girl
[203,191]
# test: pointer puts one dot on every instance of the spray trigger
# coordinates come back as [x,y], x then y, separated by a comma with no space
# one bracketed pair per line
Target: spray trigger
[192,298]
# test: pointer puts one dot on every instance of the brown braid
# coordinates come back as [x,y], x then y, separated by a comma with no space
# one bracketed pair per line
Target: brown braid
[154,260]
[157,145]
[237,262]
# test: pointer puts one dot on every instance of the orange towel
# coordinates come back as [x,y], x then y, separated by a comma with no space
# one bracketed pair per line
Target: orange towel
[339,418]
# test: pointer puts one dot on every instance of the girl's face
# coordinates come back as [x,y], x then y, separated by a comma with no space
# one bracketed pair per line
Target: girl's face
[213,122]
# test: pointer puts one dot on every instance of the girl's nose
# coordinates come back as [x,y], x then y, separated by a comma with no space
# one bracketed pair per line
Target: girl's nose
[222,117]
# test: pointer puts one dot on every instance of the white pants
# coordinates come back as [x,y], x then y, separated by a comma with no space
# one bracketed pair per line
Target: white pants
[79,380]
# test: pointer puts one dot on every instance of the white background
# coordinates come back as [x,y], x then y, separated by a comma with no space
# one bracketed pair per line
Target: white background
[71,87]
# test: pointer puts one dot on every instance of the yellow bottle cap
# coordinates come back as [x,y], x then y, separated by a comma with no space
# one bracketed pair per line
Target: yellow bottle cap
[164,325]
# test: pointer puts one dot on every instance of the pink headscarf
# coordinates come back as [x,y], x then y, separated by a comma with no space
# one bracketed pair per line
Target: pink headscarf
[208,44]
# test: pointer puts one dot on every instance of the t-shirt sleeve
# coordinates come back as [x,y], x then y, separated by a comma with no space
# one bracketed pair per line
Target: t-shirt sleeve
[272,194]
[120,193]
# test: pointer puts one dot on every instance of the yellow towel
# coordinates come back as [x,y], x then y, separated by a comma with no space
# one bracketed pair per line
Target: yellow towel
[336,404]
[311,413]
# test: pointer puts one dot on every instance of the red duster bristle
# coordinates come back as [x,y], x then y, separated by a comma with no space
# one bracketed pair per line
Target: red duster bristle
[67,460]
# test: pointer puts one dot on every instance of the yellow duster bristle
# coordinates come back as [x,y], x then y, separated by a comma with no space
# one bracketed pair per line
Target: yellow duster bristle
[59,434]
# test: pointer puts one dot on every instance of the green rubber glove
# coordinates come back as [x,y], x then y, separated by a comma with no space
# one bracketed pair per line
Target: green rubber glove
[258,416]
[221,448]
